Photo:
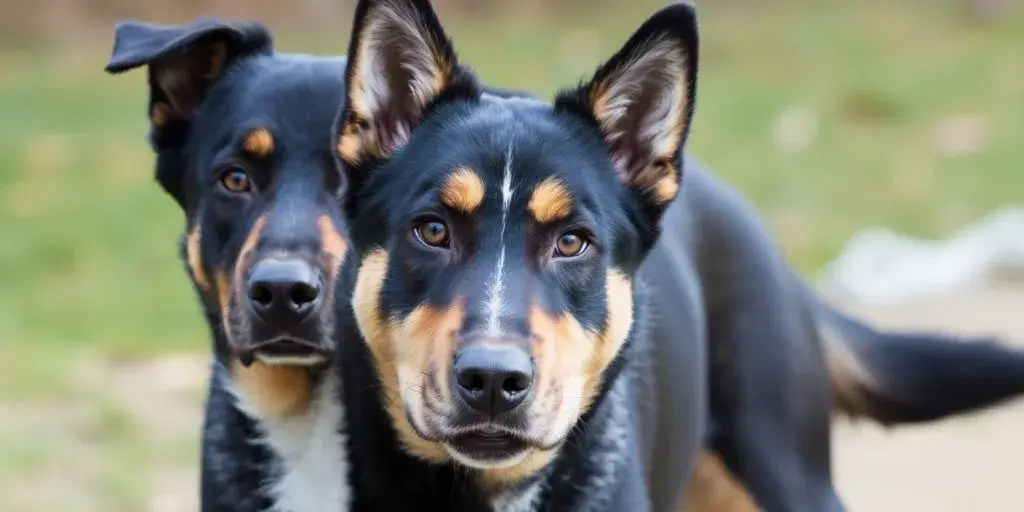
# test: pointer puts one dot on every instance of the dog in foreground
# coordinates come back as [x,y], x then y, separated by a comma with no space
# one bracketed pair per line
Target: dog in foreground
[535,306]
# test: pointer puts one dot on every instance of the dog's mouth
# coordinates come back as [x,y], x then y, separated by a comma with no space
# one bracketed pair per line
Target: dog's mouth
[488,446]
[286,352]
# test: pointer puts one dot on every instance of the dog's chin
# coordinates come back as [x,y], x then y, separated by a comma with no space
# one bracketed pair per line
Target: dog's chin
[488,446]
[311,360]
[286,352]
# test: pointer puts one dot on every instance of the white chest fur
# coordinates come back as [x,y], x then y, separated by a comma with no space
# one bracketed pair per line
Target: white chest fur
[310,473]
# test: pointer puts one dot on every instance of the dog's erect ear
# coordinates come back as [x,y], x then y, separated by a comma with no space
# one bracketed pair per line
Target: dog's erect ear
[642,101]
[184,62]
[400,64]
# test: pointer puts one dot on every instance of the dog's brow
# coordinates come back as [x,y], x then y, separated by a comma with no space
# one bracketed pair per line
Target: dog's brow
[463,190]
[259,142]
[550,201]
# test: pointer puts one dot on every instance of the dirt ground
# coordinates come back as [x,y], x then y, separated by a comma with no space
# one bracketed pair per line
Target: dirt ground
[963,464]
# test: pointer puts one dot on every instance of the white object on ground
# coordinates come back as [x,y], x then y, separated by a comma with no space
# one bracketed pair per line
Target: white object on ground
[879,267]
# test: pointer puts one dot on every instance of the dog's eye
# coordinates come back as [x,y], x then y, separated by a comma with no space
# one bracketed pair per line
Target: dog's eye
[234,179]
[433,233]
[570,245]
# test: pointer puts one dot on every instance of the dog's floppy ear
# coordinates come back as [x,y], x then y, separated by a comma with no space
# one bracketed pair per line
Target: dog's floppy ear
[184,63]
[642,102]
[401,63]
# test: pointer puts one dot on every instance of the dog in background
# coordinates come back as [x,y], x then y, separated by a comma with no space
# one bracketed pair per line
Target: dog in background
[242,142]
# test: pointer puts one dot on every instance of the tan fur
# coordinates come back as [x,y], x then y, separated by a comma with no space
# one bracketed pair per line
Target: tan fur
[378,336]
[712,488]
[333,244]
[160,113]
[429,76]
[463,190]
[194,258]
[273,390]
[550,201]
[259,143]
[223,292]
[226,287]
[349,145]
[611,98]
[849,379]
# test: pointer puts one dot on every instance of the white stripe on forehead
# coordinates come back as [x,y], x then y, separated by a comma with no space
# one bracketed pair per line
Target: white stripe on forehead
[495,301]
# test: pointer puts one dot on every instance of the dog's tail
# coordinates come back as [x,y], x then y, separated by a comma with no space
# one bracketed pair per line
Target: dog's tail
[896,378]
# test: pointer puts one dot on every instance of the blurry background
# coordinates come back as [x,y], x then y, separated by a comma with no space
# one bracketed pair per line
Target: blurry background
[832,116]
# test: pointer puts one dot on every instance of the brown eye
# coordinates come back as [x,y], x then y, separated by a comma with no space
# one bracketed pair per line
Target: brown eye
[570,245]
[235,180]
[433,233]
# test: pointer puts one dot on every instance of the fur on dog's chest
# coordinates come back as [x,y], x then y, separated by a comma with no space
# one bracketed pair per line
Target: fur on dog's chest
[309,472]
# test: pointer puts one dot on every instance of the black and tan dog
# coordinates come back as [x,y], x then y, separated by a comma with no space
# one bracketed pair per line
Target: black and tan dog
[550,324]
[242,140]
[492,227]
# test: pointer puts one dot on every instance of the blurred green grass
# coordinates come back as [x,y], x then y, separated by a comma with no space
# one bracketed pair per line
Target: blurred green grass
[89,254]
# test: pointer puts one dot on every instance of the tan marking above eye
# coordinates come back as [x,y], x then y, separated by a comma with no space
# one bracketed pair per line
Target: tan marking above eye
[433,233]
[570,244]
[463,190]
[551,201]
[259,142]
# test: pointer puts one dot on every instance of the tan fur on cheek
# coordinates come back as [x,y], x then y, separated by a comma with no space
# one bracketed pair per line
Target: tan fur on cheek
[379,336]
[259,143]
[333,244]
[273,390]
[619,297]
[195,260]
[712,488]
[551,201]
[463,190]
[225,284]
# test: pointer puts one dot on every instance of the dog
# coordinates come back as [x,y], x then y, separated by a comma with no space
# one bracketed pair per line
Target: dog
[559,308]
[274,433]
[242,142]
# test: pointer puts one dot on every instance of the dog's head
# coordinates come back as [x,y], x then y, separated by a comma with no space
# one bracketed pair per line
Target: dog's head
[498,237]
[242,138]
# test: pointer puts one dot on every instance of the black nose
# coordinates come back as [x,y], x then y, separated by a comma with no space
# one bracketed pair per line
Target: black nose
[493,380]
[284,291]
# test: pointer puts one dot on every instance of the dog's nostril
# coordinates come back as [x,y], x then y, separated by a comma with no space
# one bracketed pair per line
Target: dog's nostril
[304,293]
[516,383]
[471,381]
[261,295]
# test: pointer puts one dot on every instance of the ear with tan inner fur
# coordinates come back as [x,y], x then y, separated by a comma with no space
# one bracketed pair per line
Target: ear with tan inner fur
[400,64]
[642,101]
